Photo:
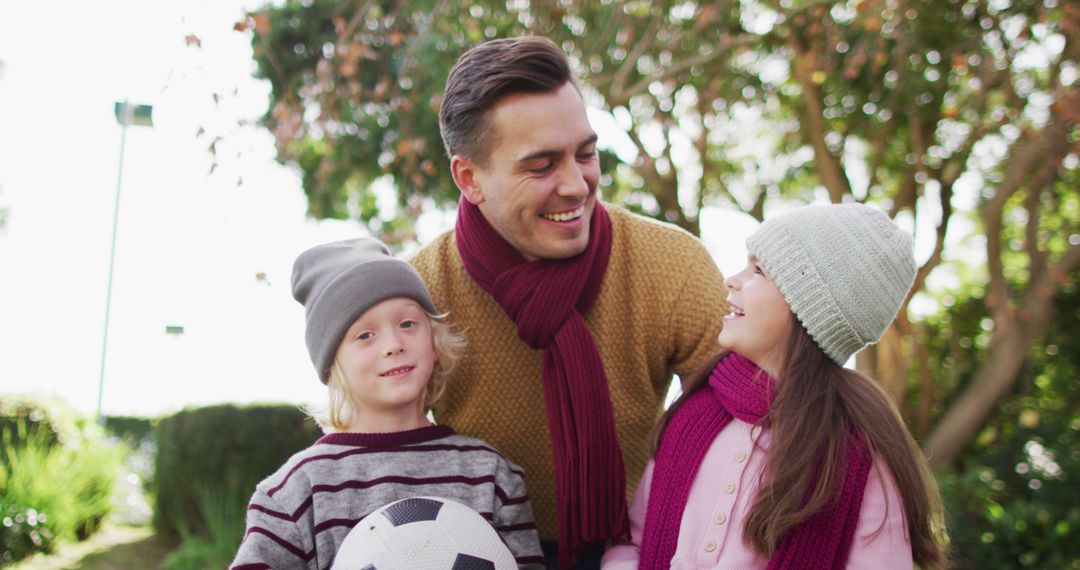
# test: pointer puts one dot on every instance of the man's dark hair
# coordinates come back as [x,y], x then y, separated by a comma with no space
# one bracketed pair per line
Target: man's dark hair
[487,73]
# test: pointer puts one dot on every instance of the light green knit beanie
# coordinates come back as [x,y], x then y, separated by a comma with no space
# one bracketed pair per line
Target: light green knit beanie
[843,268]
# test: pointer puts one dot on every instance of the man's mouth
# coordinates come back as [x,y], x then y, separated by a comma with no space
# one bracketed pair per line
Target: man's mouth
[565,216]
[397,371]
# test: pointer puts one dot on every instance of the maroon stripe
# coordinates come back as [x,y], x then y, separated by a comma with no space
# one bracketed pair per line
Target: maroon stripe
[294,550]
[407,437]
[368,450]
[331,523]
[529,560]
[295,516]
[516,527]
[506,501]
[418,481]
[415,481]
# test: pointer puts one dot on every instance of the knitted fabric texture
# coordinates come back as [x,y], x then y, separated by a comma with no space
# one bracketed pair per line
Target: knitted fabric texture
[660,310]
[337,281]
[844,269]
[299,516]
[546,299]
[739,389]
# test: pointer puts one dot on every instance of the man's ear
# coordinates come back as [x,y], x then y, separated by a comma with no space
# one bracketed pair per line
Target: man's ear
[464,173]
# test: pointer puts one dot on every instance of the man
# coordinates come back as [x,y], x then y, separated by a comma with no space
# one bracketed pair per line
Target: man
[576,313]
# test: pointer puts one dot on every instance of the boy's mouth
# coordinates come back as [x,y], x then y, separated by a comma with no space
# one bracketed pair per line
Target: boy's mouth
[735,311]
[397,371]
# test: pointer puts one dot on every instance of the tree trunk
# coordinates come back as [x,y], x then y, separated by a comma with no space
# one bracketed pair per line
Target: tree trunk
[992,381]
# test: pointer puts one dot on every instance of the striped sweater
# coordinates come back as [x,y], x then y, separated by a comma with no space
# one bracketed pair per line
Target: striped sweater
[299,516]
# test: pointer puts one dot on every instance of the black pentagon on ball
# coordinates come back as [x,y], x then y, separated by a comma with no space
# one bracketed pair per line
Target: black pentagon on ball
[412,510]
[369,567]
[466,562]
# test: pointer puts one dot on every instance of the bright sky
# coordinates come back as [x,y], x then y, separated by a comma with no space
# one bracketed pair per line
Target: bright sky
[189,243]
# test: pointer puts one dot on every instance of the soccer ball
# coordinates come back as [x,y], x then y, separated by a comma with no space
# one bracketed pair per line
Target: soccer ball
[423,533]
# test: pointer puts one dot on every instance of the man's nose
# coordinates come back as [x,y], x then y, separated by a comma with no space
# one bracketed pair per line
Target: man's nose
[572,181]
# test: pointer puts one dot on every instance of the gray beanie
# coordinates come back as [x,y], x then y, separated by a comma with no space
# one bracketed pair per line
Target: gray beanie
[844,269]
[337,281]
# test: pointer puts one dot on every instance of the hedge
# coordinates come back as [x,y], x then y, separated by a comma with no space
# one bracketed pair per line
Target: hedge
[220,451]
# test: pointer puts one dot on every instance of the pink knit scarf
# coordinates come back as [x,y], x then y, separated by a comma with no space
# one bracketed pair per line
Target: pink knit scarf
[546,300]
[739,389]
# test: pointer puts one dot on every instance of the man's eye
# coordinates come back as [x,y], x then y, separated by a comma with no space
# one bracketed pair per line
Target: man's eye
[544,169]
[587,155]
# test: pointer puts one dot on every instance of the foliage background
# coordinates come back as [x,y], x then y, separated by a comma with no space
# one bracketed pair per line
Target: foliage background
[957,117]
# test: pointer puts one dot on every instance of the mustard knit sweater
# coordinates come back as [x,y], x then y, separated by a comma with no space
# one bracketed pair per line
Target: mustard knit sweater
[659,311]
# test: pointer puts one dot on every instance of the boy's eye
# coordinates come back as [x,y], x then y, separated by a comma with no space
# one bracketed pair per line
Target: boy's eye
[366,335]
[757,269]
[408,324]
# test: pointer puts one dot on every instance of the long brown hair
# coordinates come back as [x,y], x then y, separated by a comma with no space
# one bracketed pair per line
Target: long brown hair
[817,404]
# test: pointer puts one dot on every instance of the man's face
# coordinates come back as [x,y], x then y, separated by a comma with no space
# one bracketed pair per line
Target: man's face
[539,186]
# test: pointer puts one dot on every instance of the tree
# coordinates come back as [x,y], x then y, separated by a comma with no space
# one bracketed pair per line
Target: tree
[934,110]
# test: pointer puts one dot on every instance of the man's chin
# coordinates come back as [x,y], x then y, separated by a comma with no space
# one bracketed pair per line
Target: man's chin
[565,249]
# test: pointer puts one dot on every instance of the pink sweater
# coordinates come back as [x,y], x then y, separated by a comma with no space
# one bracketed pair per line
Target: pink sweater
[721,495]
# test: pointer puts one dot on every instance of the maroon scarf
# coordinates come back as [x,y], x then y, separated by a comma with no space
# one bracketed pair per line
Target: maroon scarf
[739,389]
[546,300]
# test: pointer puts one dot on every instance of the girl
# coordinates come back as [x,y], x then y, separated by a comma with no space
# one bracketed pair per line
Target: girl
[777,456]
[375,338]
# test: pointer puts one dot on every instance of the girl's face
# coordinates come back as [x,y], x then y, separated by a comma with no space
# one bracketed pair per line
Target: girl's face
[760,318]
[387,356]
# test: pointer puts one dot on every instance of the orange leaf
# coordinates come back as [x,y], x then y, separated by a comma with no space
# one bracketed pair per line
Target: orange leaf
[262,23]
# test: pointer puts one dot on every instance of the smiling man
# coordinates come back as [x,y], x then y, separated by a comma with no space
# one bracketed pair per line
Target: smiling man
[577,313]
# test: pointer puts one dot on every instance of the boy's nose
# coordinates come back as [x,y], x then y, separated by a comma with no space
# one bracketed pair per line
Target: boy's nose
[394,346]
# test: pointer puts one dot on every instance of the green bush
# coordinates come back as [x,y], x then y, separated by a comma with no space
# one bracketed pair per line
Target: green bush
[22,532]
[133,430]
[51,491]
[1010,498]
[47,421]
[218,450]
[224,514]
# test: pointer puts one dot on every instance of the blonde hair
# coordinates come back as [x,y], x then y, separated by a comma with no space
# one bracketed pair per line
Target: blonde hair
[449,346]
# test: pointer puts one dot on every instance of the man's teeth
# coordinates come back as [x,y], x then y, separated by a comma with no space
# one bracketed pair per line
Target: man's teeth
[565,216]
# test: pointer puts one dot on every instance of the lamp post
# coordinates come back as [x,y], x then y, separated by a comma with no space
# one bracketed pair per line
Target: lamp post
[126,114]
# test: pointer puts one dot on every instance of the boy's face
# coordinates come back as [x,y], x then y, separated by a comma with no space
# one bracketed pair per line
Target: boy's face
[538,186]
[387,356]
